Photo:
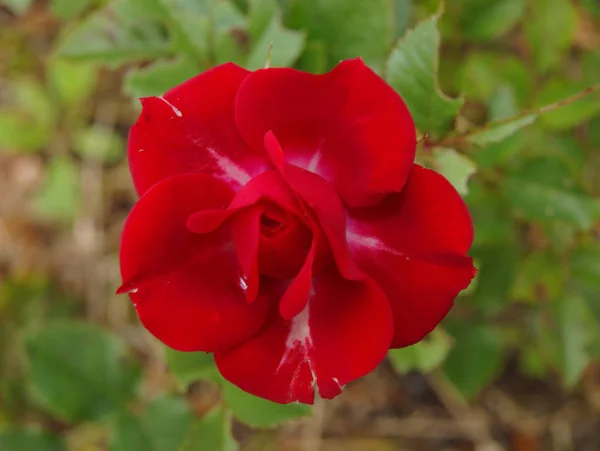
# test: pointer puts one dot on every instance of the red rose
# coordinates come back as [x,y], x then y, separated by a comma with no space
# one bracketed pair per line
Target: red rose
[283,226]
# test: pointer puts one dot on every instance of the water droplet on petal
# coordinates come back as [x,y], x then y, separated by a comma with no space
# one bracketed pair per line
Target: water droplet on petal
[243,280]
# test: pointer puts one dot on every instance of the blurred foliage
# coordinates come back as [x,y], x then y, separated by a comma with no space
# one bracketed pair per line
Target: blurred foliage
[478,79]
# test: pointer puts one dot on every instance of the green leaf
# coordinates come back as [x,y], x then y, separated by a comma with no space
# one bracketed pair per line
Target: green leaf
[502,106]
[79,371]
[17,133]
[570,157]
[190,26]
[572,114]
[226,16]
[475,359]
[68,9]
[491,213]
[163,426]
[287,46]
[593,131]
[412,71]
[425,356]
[258,412]
[136,10]
[592,6]
[402,15]
[549,30]
[540,274]
[212,433]
[29,440]
[484,20]
[58,197]
[499,153]
[229,33]
[497,272]
[585,268]
[72,82]
[585,276]
[108,36]
[483,73]
[32,98]
[18,7]
[574,337]
[27,122]
[543,190]
[188,367]
[350,29]
[455,167]
[159,77]
[503,103]
[100,144]
[314,58]
[260,16]
[494,133]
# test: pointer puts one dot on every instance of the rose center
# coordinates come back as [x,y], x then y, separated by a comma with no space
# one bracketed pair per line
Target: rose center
[284,243]
[273,221]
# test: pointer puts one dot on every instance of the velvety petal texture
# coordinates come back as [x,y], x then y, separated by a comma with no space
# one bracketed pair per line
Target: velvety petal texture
[414,245]
[191,129]
[283,226]
[343,333]
[348,126]
[187,288]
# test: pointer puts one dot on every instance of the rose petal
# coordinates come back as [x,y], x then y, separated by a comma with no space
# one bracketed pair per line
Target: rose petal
[192,129]
[267,185]
[348,126]
[283,251]
[155,238]
[329,213]
[186,287]
[295,298]
[342,334]
[414,246]
[245,230]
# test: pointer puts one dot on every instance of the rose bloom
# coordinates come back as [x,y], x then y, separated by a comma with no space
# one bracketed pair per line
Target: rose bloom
[283,226]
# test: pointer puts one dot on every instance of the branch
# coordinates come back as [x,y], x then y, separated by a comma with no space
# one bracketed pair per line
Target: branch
[461,139]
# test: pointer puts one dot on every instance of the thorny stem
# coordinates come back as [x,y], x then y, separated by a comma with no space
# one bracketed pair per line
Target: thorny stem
[460,140]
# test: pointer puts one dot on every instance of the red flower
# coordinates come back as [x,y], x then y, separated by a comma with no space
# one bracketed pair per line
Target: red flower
[283,226]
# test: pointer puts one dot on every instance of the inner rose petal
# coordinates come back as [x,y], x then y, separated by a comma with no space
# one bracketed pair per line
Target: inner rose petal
[284,242]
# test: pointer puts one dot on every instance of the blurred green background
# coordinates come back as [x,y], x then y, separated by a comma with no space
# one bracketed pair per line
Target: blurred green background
[514,367]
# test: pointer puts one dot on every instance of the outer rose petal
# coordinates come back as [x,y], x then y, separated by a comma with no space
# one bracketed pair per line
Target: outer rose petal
[343,334]
[185,287]
[192,129]
[348,126]
[414,245]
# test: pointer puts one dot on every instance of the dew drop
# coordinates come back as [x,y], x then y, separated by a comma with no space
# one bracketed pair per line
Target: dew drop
[243,280]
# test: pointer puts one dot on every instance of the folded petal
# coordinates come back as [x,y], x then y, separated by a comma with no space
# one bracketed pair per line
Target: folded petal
[245,230]
[348,126]
[296,296]
[329,215]
[187,288]
[343,333]
[192,129]
[414,245]
[268,185]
